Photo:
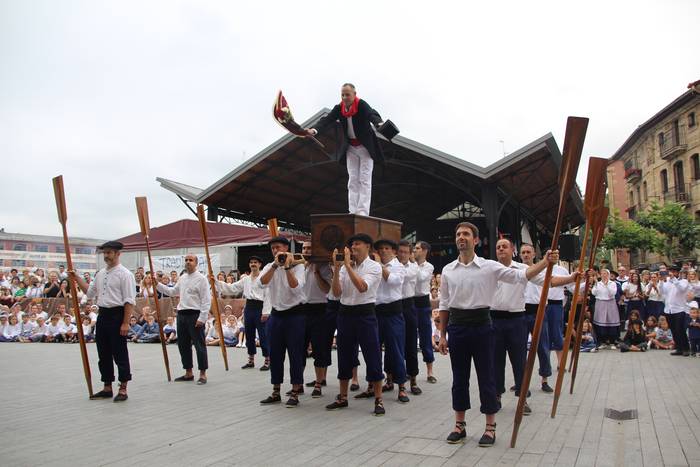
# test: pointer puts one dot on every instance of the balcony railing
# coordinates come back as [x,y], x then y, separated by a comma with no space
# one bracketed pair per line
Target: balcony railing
[680,195]
[673,143]
[633,174]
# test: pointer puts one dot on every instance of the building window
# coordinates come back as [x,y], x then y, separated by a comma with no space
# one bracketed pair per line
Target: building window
[695,162]
[691,119]
[60,249]
[20,247]
[664,181]
[646,193]
[661,141]
[81,250]
[43,248]
[631,198]
[639,195]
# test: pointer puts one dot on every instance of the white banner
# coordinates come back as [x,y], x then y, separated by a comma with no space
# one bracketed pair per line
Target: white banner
[177,263]
[45,256]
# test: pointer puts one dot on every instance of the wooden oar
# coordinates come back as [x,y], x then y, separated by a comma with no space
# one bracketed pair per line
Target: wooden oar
[142,210]
[60,196]
[597,237]
[272,227]
[595,187]
[571,155]
[212,283]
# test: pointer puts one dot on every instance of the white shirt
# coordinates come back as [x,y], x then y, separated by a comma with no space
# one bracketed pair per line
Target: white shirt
[69,328]
[113,287]
[281,295]
[603,291]
[675,292]
[654,293]
[391,289]
[425,275]
[409,282]
[351,129]
[27,327]
[34,292]
[371,273]
[533,292]
[40,330]
[511,297]
[313,292]
[194,293]
[473,285]
[52,330]
[247,285]
[87,329]
[11,330]
[631,289]
[556,293]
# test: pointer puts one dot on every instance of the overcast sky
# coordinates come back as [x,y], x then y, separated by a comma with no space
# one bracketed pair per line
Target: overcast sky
[115,94]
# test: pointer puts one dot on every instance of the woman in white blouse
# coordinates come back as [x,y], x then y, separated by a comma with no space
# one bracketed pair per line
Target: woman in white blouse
[655,299]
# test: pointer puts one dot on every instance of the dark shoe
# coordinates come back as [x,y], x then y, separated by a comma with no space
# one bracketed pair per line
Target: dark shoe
[676,352]
[184,378]
[432,379]
[120,397]
[526,409]
[274,398]
[102,395]
[546,388]
[388,387]
[365,395]
[457,437]
[338,403]
[265,367]
[487,441]
[244,367]
[313,383]
[201,381]
[416,391]
[293,400]
[378,408]
[289,393]
[353,387]
[403,398]
[316,393]
[517,393]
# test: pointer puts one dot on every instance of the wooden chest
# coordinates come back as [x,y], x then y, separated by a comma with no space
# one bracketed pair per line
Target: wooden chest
[329,231]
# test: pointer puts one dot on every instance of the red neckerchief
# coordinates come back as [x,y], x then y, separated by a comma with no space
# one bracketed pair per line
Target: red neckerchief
[353,108]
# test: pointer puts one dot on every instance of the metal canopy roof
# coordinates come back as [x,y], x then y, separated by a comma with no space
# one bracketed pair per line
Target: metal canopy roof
[293,178]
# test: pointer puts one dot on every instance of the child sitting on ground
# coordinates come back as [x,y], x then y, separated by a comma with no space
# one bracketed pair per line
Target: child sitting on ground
[240,334]
[88,329]
[650,329]
[664,337]
[694,332]
[169,330]
[588,343]
[69,331]
[635,339]
[26,329]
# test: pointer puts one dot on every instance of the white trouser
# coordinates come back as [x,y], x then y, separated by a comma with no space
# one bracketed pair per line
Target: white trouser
[359,164]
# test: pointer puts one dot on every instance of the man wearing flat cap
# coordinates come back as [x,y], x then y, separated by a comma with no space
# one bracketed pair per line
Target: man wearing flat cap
[114,290]
[284,282]
[356,280]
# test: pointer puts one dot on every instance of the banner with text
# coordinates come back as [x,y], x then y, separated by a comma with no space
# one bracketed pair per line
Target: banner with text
[177,263]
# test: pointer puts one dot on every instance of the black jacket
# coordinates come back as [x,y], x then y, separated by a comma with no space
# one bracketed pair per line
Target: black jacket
[361,124]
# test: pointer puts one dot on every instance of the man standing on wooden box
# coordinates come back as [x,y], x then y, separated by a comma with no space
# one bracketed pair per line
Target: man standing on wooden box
[358,148]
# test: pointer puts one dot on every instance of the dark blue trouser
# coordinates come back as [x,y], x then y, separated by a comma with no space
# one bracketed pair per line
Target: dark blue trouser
[511,337]
[424,316]
[542,347]
[639,306]
[315,332]
[330,319]
[554,321]
[654,308]
[188,334]
[286,333]
[411,352]
[679,327]
[111,345]
[391,334]
[251,323]
[354,330]
[467,343]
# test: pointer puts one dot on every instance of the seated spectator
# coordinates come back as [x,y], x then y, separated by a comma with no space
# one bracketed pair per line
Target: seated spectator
[147,289]
[36,310]
[436,329]
[70,330]
[145,312]
[26,329]
[434,293]
[21,291]
[88,329]
[230,329]
[664,337]
[212,335]
[39,332]
[11,331]
[170,330]
[53,286]
[35,290]
[650,329]
[240,333]
[134,328]
[694,331]
[63,289]
[149,332]
[635,339]
[6,297]
[4,323]
[588,342]
[92,314]
[53,330]
[632,316]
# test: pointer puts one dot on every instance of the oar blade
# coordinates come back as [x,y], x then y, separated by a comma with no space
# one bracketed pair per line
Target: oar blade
[571,154]
[60,196]
[142,209]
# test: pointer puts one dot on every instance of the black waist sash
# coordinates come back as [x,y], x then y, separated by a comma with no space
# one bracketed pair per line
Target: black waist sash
[253,305]
[387,309]
[290,311]
[364,309]
[531,308]
[470,318]
[505,314]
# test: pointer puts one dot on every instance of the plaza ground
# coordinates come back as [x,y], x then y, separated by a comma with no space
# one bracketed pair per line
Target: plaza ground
[48,419]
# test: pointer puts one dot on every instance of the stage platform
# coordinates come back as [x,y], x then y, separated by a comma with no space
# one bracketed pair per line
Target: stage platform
[48,420]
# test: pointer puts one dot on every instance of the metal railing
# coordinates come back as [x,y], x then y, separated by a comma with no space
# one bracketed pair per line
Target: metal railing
[673,142]
[679,195]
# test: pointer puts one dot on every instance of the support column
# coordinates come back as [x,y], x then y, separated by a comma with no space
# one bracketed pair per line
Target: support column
[489,203]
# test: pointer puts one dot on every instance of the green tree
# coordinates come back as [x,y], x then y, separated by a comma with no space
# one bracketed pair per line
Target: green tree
[680,232]
[623,233]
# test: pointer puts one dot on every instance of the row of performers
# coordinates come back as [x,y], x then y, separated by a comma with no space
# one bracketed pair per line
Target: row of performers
[373,299]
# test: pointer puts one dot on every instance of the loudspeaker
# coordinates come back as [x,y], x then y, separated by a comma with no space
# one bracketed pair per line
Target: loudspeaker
[569,247]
